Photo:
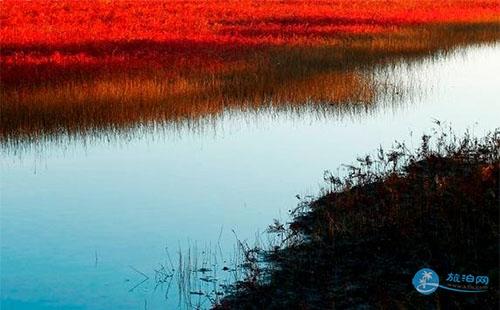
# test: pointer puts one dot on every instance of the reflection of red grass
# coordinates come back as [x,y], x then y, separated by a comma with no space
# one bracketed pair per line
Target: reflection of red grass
[106,33]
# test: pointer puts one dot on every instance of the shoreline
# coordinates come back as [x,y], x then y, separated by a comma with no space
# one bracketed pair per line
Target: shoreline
[360,244]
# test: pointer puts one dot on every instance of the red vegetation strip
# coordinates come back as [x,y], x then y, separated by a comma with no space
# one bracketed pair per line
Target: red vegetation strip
[42,22]
[110,33]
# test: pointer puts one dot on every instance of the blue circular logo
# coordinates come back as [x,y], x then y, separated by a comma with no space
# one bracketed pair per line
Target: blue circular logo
[426,281]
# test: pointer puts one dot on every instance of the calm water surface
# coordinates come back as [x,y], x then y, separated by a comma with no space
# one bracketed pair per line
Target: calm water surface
[80,219]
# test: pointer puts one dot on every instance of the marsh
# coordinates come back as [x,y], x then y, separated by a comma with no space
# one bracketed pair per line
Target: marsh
[112,171]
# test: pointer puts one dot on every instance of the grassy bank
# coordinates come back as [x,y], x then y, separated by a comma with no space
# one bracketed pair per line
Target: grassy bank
[361,243]
[40,100]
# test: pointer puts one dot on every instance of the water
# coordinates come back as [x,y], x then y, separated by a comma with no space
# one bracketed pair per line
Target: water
[79,217]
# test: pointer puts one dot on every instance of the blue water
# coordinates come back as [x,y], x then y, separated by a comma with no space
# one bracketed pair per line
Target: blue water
[80,216]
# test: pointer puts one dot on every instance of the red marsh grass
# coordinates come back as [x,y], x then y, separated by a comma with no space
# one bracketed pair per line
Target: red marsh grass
[73,67]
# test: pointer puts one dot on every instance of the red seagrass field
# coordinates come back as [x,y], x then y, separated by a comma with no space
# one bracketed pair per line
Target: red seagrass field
[75,31]
[66,61]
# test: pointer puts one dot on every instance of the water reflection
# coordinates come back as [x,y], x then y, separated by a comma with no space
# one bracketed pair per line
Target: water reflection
[119,196]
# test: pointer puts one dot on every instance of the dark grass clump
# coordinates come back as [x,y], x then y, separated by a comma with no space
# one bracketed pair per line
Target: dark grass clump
[360,244]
